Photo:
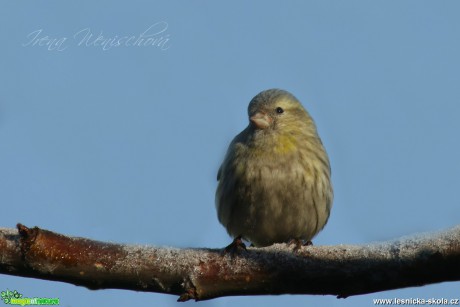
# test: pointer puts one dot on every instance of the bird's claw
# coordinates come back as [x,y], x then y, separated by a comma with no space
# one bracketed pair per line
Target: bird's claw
[297,243]
[236,247]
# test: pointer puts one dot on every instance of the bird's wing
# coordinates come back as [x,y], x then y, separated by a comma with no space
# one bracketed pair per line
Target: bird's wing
[219,172]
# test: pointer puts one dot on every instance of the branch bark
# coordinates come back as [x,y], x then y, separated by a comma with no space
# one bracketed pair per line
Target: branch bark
[202,273]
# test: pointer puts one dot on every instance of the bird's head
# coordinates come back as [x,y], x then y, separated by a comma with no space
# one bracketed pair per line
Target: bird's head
[276,110]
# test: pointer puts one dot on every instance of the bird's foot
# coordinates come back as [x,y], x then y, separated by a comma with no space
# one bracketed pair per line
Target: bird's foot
[236,247]
[296,244]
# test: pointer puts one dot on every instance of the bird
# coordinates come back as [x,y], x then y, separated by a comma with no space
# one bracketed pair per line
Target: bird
[274,184]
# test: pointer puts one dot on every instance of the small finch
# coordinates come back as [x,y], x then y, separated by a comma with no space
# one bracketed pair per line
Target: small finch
[275,181]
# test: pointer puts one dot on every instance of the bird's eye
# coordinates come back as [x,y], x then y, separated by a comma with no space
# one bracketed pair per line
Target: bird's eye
[279,110]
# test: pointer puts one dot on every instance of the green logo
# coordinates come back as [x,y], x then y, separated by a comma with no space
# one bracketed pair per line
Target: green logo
[15,298]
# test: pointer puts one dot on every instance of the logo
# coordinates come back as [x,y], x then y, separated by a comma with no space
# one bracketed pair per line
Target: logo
[156,35]
[16,298]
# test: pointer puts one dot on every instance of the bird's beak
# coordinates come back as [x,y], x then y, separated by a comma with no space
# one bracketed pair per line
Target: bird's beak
[260,120]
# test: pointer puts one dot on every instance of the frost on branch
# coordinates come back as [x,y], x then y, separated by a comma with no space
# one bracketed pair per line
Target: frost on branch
[201,273]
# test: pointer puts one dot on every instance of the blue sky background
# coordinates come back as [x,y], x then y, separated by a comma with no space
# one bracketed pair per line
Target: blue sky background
[123,145]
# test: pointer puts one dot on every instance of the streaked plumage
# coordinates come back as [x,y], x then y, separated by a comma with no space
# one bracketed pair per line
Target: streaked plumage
[274,183]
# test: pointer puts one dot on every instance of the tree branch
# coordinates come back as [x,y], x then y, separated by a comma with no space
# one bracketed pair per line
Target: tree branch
[201,273]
